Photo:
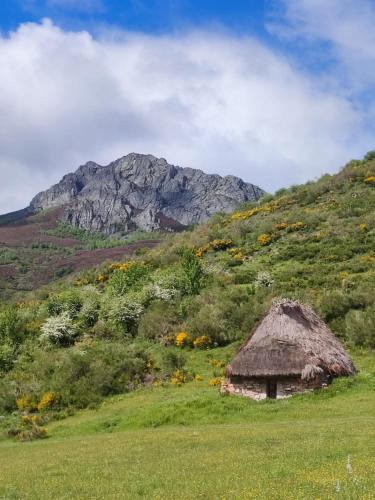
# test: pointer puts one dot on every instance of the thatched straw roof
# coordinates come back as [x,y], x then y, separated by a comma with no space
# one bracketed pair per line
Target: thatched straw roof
[291,340]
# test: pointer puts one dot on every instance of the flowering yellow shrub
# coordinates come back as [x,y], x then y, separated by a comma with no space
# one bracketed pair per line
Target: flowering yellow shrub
[368,258]
[100,278]
[216,363]
[31,420]
[25,403]
[178,377]
[81,282]
[297,226]
[264,239]
[220,244]
[215,381]
[198,378]
[246,214]
[213,245]
[362,228]
[272,206]
[48,399]
[281,226]
[370,180]
[182,339]
[202,250]
[203,341]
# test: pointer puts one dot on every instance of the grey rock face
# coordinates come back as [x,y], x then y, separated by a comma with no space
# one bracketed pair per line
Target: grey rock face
[141,191]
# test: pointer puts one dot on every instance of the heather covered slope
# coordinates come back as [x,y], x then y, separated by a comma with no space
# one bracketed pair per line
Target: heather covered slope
[36,249]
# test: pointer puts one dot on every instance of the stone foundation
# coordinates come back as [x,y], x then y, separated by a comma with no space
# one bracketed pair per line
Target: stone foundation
[256,388]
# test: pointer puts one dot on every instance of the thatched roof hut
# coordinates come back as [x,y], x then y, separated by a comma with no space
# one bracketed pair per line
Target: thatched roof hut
[290,343]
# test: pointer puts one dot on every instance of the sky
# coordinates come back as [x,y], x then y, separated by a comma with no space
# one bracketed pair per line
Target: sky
[277,92]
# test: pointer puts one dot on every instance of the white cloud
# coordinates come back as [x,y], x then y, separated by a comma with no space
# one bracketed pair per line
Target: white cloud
[347,26]
[211,101]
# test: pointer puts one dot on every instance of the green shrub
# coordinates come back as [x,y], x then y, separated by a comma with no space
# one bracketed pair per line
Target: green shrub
[192,271]
[80,376]
[133,278]
[159,321]
[360,327]
[10,325]
[63,271]
[172,359]
[7,256]
[68,301]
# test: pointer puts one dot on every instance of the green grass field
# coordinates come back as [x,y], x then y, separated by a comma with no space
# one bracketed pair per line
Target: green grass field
[189,442]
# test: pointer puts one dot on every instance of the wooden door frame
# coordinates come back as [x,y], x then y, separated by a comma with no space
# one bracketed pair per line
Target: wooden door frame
[271,388]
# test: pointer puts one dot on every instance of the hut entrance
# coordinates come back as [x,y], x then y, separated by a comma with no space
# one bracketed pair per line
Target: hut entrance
[271,389]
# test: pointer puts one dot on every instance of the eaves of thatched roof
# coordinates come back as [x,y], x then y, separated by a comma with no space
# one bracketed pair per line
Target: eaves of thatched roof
[291,340]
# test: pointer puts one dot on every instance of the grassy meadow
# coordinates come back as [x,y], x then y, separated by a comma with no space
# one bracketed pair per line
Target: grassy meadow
[187,442]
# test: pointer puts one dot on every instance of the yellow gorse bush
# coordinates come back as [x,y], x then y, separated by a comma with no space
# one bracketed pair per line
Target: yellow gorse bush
[246,214]
[264,239]
[178,377]
[31,420]
[281,225]
[272,206]
[214,245]
[215,381]
[47,400]
[122,266]
[370,180]
[362,228]
[182,339]
[203,341]
[239,256]
[216,363]
[26,403]
[297,226]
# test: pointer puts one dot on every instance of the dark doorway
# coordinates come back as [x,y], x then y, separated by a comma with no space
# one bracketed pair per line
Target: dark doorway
[271,389]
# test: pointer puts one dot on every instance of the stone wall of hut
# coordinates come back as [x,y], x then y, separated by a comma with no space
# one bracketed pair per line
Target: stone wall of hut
[256,388]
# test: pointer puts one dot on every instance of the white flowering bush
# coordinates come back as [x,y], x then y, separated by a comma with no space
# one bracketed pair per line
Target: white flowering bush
[159,292]
[264,279]
[58,330]
[124,312]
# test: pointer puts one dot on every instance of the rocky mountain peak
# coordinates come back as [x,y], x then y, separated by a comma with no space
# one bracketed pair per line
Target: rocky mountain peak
[142,191]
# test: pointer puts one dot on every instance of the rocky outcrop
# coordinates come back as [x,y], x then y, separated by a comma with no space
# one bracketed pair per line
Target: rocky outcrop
[141,191]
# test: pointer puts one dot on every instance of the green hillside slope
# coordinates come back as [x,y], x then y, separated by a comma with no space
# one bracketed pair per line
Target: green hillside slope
[156,331]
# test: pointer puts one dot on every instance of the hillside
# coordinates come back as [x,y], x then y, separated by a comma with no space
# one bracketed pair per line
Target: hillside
[144,342]
[37,249]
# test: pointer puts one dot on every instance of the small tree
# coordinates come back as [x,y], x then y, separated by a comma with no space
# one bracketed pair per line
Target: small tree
[192,270]
[370,155]
[130,278]
[10,325]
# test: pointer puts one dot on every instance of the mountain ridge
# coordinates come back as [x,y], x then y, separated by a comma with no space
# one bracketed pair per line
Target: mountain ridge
[141,191]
